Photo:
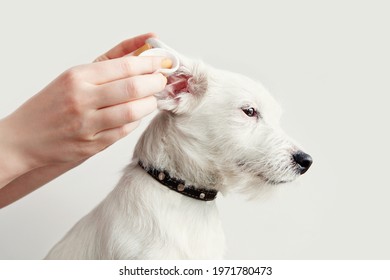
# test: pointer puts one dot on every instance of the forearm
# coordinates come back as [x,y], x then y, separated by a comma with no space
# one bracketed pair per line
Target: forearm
[31,181]
[12,161]
[8,174]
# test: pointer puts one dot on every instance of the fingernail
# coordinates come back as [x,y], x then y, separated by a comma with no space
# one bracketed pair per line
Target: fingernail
[165,79]
[166,63]
[142,49]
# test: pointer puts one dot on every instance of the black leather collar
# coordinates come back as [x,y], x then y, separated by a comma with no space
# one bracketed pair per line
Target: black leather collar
[177,185]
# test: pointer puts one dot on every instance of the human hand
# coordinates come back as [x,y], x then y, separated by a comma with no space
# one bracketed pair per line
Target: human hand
[86,109]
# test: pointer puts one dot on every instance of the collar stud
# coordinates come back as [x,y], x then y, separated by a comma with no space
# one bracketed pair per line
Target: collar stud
[161,176]
[180,187]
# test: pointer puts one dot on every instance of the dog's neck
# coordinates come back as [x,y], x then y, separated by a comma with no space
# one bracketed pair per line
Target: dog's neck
[179,185]
[165,146]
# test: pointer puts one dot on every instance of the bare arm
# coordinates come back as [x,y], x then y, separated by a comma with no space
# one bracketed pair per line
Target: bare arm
[31,181]
[82,112]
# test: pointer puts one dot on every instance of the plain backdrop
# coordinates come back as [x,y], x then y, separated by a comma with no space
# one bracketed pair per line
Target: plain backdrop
[326,62]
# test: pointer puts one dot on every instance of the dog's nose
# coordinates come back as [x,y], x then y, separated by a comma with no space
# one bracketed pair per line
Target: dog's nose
[303,161]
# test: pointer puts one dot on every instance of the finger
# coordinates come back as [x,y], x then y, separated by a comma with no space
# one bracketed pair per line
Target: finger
[121,68]
[119,115]
[110,136]
[125,47]
[129,89]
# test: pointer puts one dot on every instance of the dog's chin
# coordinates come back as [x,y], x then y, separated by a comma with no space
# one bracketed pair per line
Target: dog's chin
[273,182]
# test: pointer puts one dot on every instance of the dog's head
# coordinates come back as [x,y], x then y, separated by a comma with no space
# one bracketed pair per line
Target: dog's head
[230,123]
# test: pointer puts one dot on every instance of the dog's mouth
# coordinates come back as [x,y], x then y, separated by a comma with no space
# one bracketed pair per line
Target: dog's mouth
[263,177]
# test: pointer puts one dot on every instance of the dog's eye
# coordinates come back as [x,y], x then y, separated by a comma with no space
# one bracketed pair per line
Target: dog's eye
[250,112]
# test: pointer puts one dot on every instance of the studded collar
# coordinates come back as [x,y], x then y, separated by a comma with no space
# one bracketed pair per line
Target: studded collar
[178,185]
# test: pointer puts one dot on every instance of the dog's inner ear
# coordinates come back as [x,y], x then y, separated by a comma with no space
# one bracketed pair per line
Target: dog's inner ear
[183,92]
[177,84]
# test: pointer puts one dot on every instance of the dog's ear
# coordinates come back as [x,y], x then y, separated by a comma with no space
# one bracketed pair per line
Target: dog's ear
[185,87]
[184,91]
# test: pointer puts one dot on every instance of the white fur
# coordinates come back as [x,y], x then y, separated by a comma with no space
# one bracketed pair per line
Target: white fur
[203,137]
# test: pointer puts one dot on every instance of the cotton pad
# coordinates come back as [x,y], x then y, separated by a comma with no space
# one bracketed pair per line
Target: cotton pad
[158,49]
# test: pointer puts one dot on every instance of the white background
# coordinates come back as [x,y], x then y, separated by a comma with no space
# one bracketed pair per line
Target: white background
[328,64]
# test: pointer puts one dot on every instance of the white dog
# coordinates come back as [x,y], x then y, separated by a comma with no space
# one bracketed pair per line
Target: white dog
[215,131]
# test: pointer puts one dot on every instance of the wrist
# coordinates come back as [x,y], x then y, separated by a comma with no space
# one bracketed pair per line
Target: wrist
[13,163]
